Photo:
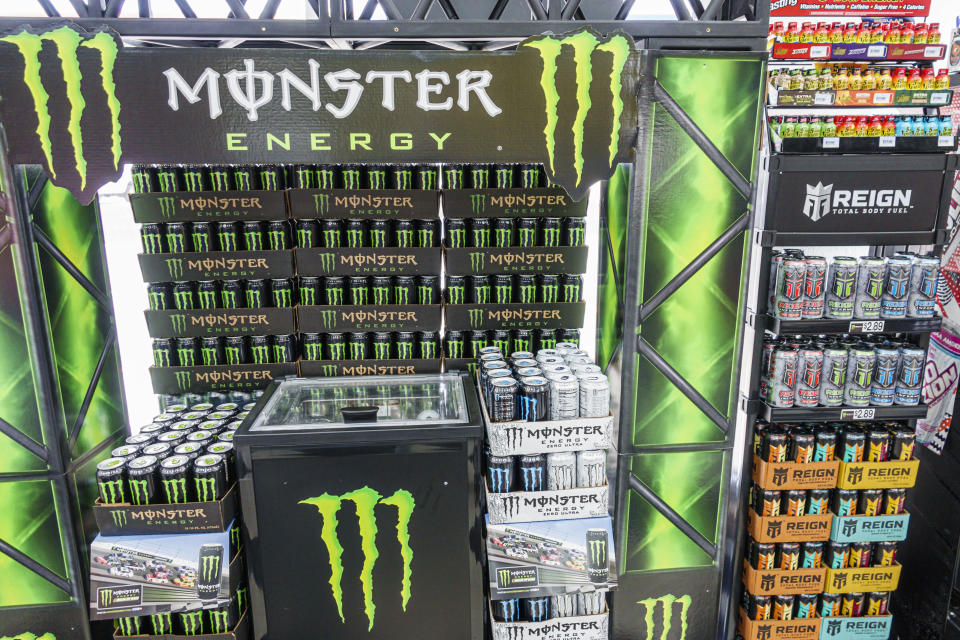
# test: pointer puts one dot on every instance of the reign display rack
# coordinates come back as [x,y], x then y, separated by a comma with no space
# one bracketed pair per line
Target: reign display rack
[122,103]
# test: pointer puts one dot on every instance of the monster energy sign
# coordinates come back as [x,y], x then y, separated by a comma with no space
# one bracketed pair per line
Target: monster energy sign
[364,501]
[81,105]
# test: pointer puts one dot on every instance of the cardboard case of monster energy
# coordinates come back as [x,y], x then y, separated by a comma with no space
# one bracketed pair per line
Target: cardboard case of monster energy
[514,316]
[148,519]
[342,204]
[144,575]
[208,206]
[205,323]
[594,627]
[393,317]
[233,377]
[533,559]
[363,261]
[221,265]
[512,203]
[522,260]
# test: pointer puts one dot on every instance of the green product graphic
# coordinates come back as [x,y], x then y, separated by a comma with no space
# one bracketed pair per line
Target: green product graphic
[571,293]
[528,237]
[404,350]
[504,293]
[235,536]
[311,351]
[424,295]
[268,179]
[843,283]
[139,494]
[68,43]
[477,261]
[253,240]
[551,237]
[218,621]
[112,490]
[381,350]
[228,299]
[351,178]
[610,289]
[575,237]
[153,242]
[458,237]
[503,578]
[129,626]
[192,622]
[504,178]
[668,608]
[279,353]
[193,179]
[426,237]
[282,297]
[550,292]
[261,353]
[381,295]
[166,206]
[175,490]
[598,552]
[241,599]
[476,316]
[478,203]
[378,237]
[327,260]
[183,380]
[357,351]
[336,352]
[328,318]
[26,635]
[328,370]
[874,287]
[308,295]
[401,294]
[277,239]
[481,237]
[503,345]
[232,354]
[364,501]
[304,238]
[219,180]
[161,624]
[174,268]
[105,598]
[228,240]
[254,301]
[183,300]
[186,357]
[119,517]
[354,238]
[208,299]
[863,374]
[206,490]
[210,568]
[583,45]
[428,350]
[156,301]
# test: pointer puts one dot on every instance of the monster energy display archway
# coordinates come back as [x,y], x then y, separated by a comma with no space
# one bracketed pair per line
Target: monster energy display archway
[583,104]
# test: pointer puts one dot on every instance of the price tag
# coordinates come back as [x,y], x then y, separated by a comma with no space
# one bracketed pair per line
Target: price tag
[858,414]
[945,141]
[823,99]
[867,326]
[932,51]
[882,98]
[877,51]
[831,143]
[939,98]
[820,51]
[888,142]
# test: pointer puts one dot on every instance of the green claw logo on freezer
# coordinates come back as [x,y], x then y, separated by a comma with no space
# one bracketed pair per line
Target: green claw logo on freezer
[68,42]
[119,517]
[668,606]
[183,380]
[476,317]
[210,567]
[175,490]
[364,501]
[582,45]
[477,261]
[478,202]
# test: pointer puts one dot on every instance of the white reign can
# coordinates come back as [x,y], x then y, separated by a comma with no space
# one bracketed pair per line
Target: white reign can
[592,468]
[561,471]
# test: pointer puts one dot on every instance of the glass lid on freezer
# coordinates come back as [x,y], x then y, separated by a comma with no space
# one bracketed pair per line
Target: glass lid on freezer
[416,400]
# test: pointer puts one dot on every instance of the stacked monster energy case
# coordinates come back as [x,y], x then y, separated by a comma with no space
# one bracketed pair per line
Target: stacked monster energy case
[514,256]
[362,501]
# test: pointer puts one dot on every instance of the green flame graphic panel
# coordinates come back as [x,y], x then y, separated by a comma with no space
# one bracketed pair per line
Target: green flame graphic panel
[613,230]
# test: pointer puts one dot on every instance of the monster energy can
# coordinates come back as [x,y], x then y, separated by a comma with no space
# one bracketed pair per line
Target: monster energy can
[526,289]
[501,342]
[503,176]
[223,619]
[502,405]
[175,479]
[909,376]
[260,349]
[480,176]
[503,232]
[138,440]
[594,396]
[591,468]
[128,452]
[278,235]
[574,230]
[871,274]
[598,563]
[335,346]
[271,177]
[308,290]
[143,179]
[507,610]
[405,341]
[307,233]
[211,351]
[549,288]
[176,236]
[546,338]
[187,349]
[161,623]
[333,290]
[284,348]
[358,343]
[453,346]
[311,346]
[453,176]
[255,293]
[382,289]
[225,450]
[302,177]
[382,342]
[429,343]
[191,622]
[325,176]
[151,235]
[209,477]
[500,472]
[533,399]
[172,438]
[201,437]
[428,177]
[168,177]
[564,397]
[376,177]
[480,289]
[569,335]
[531,176]
[503,289]
[841,288]
[571,286]
[110,479]
[594,603]
[860,366]
[159,294]
[207,294]
[456,291]
[402,176]
[428,233]
[527,232]
[281,290]
[350,174]
[142,480]
[456,233]
[379,230]
[244,178]
[403,232]
[127,626]
[332,232]
[478,340]
[479,232]
[195,178]
[923,287]
[896,288]
[522,340]
[405,290]
[235,350]
[813,287]
[561,471]
[252,236]
[356,234]
[230,294]
[550,232]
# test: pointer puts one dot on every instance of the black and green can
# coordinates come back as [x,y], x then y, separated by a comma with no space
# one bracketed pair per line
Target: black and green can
[191,623]
[381,342]
[453,176]
[335,346]
[456,291]
[379,231]
[168,178]
[574,230]
[356,234]
[326,176]
[479,289]
[231,294]
[402,176]
[569,335]
[456,233]
[477,341]
[209,477]
[480,176]
[208,295]
[144,180]
[160,296]
[503,232]
[428,177]
[211,351]
[358,344]
[161,623]
[331,233]
[549,288]
[219,178]
[454,344]
[550,232]
[271,177]
[226,450]
[503,176]
[572,287]
[502,340]
[223,619]
[252,236]
[359,290]
[235,350]
[183,295]
[479,232]
[302,176]
[260,349]
[309,290]
[311,346]
[308,233]
[428,233]
[281,292]
[151,236]
[503,289]
[404,232]
[177,239]
[227,236]
[255,292]
[334,288]
[195,178]
[531,176]
[187,349]
[111,479]
[405,290]
[278,235]
[523,340]
[377,177]
[405,342]
[526,289]
[128,626]
[244,178]
[546,338]
[527,232]
[352,174]
[142,480]
[428,289]
[428,345]
[175,479]
[284,348]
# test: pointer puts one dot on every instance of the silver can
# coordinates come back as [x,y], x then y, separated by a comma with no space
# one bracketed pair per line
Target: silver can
[896,288]
[524,362]
[909,376]
[565,346]
[491,376]
[556,368]
[813,287]
[594,603]
[561,471]
[548,360]
[566,605]
[521,355]
[834,376]
[782,377]
[884,376]
[547,353]
[564,397]
[592,468]
[577,359]
[860,363]
[810,361]
[870,275]
[554,375]
[529,372]
[841,288]
[581,370]
[922,299]
[594,396]
[788,304]
[490,349]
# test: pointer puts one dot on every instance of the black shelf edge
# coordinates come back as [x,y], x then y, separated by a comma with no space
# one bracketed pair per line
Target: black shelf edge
[772,238]
[829,414]
[827,326]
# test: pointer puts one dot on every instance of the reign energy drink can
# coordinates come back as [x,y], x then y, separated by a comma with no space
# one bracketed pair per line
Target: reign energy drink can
[896,288]
[209,569]
[782,377]
[860,365]
[806,606]
[813,287]
[788,301]
[922,298]
[598,561]
[870,287]
[834,376]
[841,288]
[808,384]
[909,376]
[884,377]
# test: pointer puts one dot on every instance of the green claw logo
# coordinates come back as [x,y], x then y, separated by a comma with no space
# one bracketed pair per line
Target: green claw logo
[504,238]
[378,178]
[364,501]
[68,43]
[218,622]
[478,203]
[481,237]
[233,355]
[112,491]
[241,180]
[218,179]
[328,370]
[328,317]
[279,353]
[175,268]
[571,292]
[424,295]
[325,178]
[598,552]
[327,261]
[456,295]
[528,237]
[139,494]
[210,568]
[358,351]
[175,490]
[119,517]
[381,351]
[476,317]
[426,237]
[477,261]
[229,299]
[261,354]
[278,240]
[161,623]
[453,179]
[428,350]
[208,299]
[669,612]
[129,626]
[308,295]
[192,622]
[152,243]
[253,240]
[351,178]
[193,180]
[401,294]
[458,238]
[304,238]
[311,351]
[404,350]
[583,45]
[282,297]
[268,180]
[504,178]
[183,380]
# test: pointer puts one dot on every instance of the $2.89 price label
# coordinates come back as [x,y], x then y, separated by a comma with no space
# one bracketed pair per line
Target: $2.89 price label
[858,414]
[867,326]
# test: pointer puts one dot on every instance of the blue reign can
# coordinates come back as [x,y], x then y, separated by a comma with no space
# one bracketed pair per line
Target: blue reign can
[922,299]
[884,376]
[896,288]
[909,376]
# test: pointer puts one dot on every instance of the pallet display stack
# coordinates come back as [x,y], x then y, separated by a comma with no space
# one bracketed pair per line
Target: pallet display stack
[843,339]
